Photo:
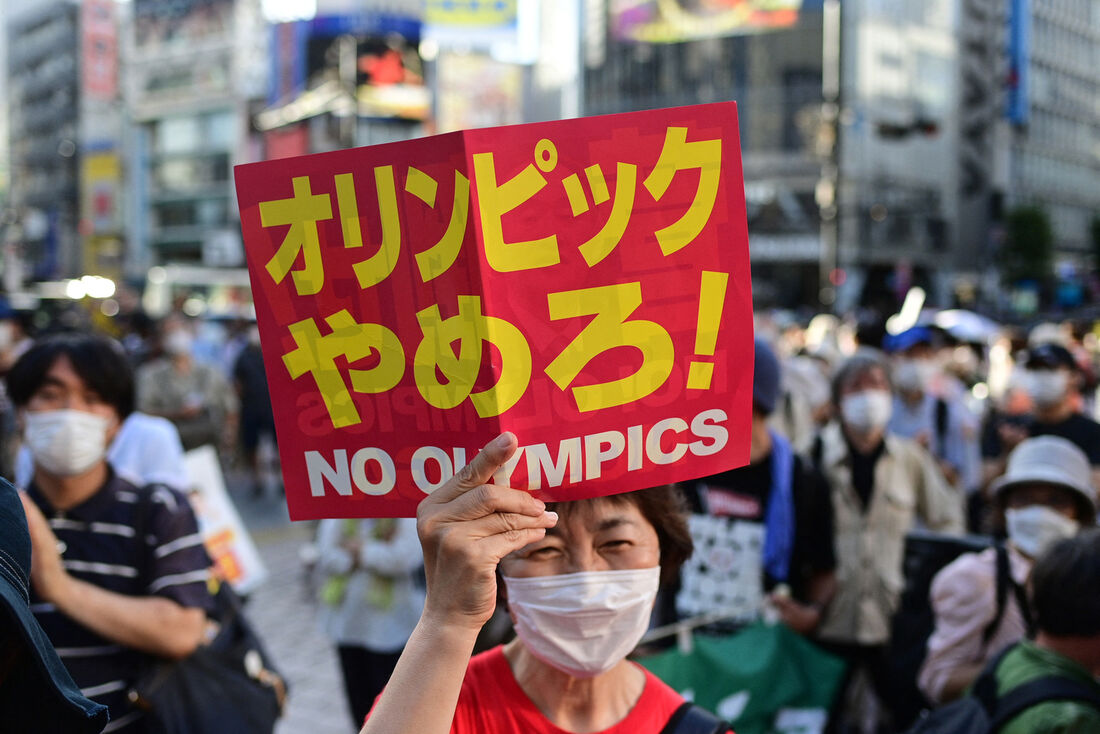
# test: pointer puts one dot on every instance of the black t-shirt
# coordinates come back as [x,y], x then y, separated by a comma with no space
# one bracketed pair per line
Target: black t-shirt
[1081,431]
[743,494]
[250,376]
[1077,428]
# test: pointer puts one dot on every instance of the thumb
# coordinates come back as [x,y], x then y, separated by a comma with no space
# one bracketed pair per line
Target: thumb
[480,470]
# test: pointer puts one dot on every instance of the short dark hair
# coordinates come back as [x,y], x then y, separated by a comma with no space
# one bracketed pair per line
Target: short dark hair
[666,510]
[863,361]
[1065,587]
[99,361]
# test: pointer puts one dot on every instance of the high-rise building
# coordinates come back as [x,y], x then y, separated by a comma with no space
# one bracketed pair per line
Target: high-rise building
[194,70]
[945,113]
[1053,147]
[64,135]
[43,106]
[772,66]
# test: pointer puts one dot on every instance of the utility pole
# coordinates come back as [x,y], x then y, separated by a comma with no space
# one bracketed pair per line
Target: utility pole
[348,72]
[827,193]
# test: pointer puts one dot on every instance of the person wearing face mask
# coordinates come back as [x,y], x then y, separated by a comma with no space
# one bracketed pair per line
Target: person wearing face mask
[943,426]
[146,450]
[257,419]
[882,486]
[579,579]
[120,573]
[1053,380]
[196,397]
[1044,496]
[774,514]
[1065,596]
[370,599]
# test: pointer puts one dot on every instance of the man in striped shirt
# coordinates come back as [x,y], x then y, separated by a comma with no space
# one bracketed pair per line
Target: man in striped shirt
[119,572]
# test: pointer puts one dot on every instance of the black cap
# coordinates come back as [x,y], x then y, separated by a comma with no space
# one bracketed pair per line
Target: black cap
[1050,356]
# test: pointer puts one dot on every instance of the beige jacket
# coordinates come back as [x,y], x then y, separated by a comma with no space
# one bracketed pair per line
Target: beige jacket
[908,489]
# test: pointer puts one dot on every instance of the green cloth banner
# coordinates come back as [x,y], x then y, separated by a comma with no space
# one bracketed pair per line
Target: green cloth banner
[764,679]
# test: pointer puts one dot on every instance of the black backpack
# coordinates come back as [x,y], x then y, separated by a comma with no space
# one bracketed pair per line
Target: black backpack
[983,712]
[926,554]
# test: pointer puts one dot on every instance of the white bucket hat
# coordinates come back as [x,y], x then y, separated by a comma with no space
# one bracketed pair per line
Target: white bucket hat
[1049,460]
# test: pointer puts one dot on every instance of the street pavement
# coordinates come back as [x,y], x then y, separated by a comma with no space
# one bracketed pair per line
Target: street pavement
[284,611]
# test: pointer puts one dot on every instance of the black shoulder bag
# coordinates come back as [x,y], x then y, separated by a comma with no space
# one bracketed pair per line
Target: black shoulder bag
[692,719]
[228,684]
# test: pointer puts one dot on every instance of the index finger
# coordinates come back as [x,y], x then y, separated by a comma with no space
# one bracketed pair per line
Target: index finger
[480,470]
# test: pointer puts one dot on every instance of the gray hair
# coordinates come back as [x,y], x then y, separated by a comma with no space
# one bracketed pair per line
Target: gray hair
[863,361]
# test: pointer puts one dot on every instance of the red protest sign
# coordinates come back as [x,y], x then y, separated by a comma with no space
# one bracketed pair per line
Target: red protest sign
[583,284]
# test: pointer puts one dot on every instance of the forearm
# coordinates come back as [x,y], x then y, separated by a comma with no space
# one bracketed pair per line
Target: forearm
[151,624]
[422,693]
[991,469]
[821,589]
[958,681]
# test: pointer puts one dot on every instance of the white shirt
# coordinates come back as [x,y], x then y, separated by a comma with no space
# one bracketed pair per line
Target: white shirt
[382,601]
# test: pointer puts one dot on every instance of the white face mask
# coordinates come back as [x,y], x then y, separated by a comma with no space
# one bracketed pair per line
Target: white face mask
[867,410]
[178,343]
[1035,528]
[583,624]
[1047,387]
[66,442]
[914,375]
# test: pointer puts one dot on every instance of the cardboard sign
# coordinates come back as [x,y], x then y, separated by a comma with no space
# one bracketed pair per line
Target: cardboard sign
[583,284]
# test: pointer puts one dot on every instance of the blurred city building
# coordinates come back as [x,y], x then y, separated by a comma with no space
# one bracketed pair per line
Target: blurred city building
[349,75]
[636,57]
[884,141]
[44,104]
[1052,80]
[65,133]
[193,72]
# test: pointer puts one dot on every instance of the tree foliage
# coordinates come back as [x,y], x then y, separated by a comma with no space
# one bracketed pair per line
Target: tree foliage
[1029,245]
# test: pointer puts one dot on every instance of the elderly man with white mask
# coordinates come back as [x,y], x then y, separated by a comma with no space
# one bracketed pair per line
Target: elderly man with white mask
[882,487]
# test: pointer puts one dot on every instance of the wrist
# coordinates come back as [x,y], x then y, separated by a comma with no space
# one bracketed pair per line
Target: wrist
[63,592]
[450,626]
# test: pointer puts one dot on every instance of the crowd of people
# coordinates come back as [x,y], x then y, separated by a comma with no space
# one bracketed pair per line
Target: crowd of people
[862,438]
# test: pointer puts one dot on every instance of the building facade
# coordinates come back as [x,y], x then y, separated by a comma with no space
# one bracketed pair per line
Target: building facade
[946,114]
[775,76]
[1053,141]
[194,70]
[44,105]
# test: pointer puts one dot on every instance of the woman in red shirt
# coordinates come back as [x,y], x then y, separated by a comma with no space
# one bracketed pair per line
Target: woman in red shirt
[580,579]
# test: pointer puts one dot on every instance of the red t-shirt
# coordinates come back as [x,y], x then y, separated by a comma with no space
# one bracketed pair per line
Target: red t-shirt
[492,702]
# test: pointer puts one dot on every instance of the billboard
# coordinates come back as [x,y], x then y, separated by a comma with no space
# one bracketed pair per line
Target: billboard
[168,25]
[1017,106]
[389,74]
[674,21]
[99,41]
[471,23]
[101,181]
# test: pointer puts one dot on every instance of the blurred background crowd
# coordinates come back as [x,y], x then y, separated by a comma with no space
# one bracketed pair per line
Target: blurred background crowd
[922,183]
[888,453]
